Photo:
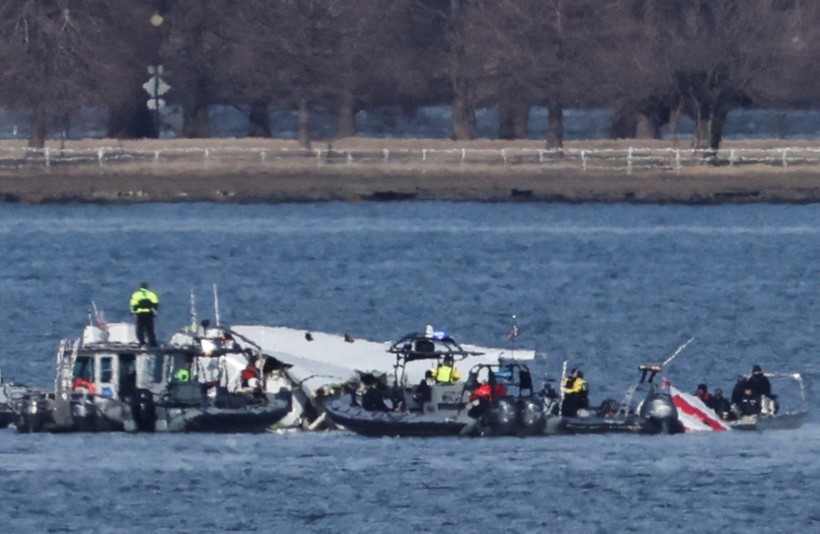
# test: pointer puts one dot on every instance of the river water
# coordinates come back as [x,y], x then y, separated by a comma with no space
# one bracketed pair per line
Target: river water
[604,287]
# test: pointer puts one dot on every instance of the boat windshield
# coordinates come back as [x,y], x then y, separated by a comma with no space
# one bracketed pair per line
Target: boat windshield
[84,369]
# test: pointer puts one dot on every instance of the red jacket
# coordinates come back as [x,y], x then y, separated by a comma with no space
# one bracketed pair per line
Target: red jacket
[484,391]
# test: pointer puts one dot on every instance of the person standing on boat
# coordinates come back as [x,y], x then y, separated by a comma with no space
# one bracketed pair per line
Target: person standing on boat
[762,389]
[144,304]
[759,383]
[576,394]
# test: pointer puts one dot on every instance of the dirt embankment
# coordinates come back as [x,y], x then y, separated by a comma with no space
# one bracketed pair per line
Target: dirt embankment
[267,171]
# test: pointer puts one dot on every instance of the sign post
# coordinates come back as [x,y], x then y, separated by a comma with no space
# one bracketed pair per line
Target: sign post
[156,87]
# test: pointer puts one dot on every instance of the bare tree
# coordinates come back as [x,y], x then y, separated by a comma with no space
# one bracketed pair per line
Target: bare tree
[376,54]
[195,52]
[292,51]
[707,57]
[59,55]
[539,51]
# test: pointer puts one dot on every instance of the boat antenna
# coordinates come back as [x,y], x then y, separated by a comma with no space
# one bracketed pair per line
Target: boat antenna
[194,324]
[674,354]
[561,397]
[216,306]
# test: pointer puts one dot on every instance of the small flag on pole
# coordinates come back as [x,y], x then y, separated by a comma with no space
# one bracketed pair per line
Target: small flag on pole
[513,332]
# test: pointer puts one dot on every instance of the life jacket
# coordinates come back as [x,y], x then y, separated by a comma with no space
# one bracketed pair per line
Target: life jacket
[144,301]
[182,375]
[249,373]
[445,373]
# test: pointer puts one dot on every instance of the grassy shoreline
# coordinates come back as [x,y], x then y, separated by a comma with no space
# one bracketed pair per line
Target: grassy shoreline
[310,179]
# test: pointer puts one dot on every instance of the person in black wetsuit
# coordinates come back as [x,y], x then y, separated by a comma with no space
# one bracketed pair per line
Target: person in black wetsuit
[759,383]
[373,399]
[749,403]
[737,391]
[722,406]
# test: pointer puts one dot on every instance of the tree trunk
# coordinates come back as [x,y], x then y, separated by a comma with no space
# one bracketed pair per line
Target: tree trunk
[555,125]
[195,121]
[703,128]
[464,121]
[259,119]
[624,123]
[513,115]
[645,128]
[462,105]
[304,123]
[674,121]
[716,131]
[37,132]
[346,113]
[131,119]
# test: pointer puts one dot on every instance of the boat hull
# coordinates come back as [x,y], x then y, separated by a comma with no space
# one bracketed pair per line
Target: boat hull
[214,419]
[397,424]
[785,421]
[623,425]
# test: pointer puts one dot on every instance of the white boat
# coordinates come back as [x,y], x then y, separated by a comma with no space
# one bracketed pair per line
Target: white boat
[106,381]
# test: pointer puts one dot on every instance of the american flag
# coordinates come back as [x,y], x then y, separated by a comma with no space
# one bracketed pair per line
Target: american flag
[513,332]
[101,320]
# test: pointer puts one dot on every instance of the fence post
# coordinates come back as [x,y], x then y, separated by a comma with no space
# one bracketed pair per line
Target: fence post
[584,160]
[100,154]
[629,161]
[732,158]
[349,157]
[785,164]
[47,155]
[423,154]
[386,154]
[504,155]
[540,155]
[677,159]
[463,155]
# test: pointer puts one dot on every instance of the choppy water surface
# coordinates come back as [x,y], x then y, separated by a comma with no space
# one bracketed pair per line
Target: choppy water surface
[605,287]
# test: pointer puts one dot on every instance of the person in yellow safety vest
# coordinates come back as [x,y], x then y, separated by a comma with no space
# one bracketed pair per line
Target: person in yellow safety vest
[576,394]
[446,373]
[144,304]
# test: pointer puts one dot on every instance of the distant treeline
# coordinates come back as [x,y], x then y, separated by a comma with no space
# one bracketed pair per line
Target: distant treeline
[653,61]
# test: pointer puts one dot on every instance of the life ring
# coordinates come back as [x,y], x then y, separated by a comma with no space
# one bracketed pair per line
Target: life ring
[81,383]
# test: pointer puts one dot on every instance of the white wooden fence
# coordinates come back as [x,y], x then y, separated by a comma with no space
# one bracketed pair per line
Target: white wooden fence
[626,159]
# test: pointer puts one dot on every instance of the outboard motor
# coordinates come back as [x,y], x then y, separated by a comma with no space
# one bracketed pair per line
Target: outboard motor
[83,411]
[143,411]
[31,412]
[501,417]
[531,416]
[660,414]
